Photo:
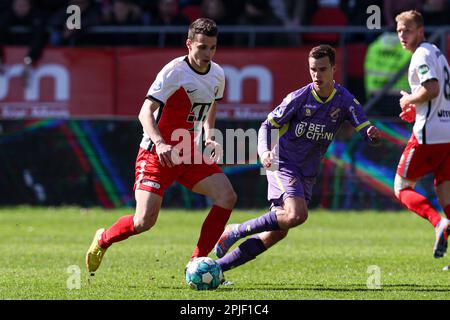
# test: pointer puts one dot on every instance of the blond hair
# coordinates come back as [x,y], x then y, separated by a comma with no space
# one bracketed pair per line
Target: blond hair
[411,15]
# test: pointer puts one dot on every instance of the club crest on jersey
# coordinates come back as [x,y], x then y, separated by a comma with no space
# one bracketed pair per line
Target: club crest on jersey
[308,112]
[334,114]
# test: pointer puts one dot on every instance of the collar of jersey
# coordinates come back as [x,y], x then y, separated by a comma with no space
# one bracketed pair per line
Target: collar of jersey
[198,72]
[318,99]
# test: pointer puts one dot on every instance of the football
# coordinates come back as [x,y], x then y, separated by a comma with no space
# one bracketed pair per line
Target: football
[203,274]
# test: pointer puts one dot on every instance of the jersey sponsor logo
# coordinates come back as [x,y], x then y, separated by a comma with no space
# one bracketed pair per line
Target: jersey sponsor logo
[151,184]
[313,131]
[443,113]
[423,69]
[198,114]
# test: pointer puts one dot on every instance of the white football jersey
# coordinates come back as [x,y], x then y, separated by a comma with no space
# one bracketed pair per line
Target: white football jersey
[432,124]
[185,97]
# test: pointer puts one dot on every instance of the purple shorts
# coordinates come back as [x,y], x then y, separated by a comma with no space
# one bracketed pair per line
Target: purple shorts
[285,183]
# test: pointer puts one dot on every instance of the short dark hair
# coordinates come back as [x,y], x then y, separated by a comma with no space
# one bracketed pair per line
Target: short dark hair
[324,50]
[203,26]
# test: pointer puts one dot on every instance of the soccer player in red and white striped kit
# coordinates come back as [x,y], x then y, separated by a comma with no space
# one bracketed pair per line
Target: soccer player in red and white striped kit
[428,149]
[183,97]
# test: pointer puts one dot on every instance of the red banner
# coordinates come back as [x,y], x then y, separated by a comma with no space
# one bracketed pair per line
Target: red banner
[113,82]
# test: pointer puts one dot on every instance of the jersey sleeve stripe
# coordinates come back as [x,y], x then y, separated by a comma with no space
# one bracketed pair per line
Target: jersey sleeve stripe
[362,125]
[150,97]
[270,118]
[218,99]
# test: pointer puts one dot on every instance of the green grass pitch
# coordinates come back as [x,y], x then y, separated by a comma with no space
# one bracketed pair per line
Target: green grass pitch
[329,257]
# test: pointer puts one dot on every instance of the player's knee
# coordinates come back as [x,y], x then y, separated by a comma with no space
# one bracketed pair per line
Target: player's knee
[400,184]
[297,217]
[281,234]
[227,198]
[141,224]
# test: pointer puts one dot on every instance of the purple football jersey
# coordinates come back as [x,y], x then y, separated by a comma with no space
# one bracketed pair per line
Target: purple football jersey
[307,126]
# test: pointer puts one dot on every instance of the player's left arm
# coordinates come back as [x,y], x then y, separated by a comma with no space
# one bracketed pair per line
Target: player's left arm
[209,128]
[425,68]
[427,91]
[362,125]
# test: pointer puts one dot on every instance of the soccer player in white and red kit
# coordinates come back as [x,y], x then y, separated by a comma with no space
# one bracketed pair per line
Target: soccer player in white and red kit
[181,100]
[428,149]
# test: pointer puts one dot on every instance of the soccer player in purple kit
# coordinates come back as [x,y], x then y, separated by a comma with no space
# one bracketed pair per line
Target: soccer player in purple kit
[307,120]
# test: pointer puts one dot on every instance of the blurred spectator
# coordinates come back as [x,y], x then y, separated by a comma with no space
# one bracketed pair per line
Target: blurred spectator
[356,11]
[436,12]
[394,7]
[384,58]
[23,13]
[259,13]
[328,13]
[124,13]
[169,14]
[292,12]
[61,35]
[216,10]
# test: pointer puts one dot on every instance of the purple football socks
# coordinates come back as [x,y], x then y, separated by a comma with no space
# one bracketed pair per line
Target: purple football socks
[266,222]
[247,251]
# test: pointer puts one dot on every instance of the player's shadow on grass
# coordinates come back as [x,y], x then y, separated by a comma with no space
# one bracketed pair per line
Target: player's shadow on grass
[348,288]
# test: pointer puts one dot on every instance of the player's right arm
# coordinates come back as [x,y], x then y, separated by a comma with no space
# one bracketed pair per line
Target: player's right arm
[148,122]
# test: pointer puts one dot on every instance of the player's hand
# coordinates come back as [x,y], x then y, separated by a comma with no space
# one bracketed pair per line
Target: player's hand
[408,114]
[167,154]
[374,134]
[216,150]
[266,159]
[405,100]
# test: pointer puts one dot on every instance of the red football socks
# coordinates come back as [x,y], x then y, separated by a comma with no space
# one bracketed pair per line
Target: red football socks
[212,229]
[121,230]
[417,203]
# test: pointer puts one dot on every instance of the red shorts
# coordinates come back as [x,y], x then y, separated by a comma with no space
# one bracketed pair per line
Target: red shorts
[420,159]
[152,176]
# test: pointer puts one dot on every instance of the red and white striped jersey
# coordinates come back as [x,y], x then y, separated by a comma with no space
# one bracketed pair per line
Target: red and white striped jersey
[185,97]
[432,124]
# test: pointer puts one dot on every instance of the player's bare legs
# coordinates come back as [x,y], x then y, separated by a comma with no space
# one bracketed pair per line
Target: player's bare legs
[219,189]
[443,194]
[294,213]
[147,208]
[443,229]
[148,205]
